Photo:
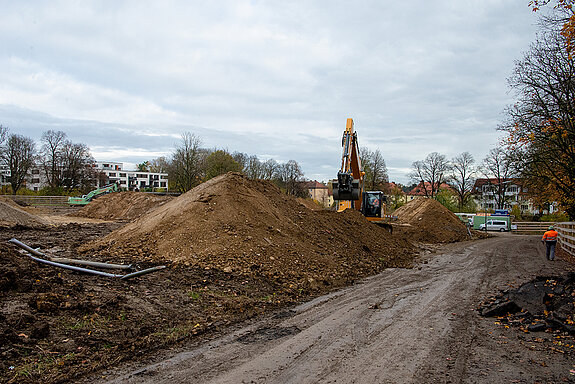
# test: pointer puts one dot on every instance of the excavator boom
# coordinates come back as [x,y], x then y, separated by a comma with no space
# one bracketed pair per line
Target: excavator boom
[349,186]
[349,191]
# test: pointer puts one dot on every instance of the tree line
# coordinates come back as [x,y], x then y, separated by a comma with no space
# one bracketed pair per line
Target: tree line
[540,126]
[69,166]
[64,164]
[190,164]
[538,146]
[460,173]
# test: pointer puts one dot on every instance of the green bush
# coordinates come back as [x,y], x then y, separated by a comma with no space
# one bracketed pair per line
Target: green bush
[560,216]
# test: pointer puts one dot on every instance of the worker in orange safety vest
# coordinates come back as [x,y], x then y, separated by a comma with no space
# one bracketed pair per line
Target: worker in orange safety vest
[550,240]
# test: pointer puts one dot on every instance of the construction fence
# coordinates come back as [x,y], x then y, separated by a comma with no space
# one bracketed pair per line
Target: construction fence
[566,236]
[39,201]
[531,227]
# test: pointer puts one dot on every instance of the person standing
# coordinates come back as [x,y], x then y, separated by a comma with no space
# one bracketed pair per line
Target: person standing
[550,241]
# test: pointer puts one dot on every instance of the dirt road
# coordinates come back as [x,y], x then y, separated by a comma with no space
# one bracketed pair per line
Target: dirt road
[416,325]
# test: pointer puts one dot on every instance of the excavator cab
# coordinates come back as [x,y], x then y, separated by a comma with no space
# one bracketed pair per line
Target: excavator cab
[372,204]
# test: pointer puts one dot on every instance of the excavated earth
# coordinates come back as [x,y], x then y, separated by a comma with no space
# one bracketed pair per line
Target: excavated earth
[11,214]
[427,221]
[241,226]
[120,206]
[234,249]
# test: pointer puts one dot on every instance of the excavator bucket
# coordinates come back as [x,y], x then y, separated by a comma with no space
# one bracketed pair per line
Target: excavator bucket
[346,187]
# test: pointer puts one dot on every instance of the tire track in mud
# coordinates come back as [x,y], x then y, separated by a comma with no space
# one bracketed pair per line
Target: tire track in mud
[401,326]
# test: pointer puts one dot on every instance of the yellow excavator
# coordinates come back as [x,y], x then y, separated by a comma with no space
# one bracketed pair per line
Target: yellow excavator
[349,190]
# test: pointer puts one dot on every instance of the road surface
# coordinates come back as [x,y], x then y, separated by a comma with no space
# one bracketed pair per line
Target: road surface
[417,325]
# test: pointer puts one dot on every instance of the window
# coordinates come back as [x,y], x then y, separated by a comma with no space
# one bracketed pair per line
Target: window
[112,174]
[513,189]
[35,181]
[35,171]
[122,175]
[163,184]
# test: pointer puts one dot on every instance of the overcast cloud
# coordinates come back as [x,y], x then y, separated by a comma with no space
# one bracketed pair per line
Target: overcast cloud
[276,79]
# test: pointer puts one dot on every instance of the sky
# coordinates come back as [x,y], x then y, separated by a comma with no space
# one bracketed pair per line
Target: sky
[275,79]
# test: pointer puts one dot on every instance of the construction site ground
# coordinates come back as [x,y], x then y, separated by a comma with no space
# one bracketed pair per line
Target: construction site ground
[261,288]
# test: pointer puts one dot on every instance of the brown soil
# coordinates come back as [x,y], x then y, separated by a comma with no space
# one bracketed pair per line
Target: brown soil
[311,204]
[235,249]
[11,215]
[121,206]
[426,220]
[234,224]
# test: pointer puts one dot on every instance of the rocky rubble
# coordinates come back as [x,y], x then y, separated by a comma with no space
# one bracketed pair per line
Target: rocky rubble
[543,304]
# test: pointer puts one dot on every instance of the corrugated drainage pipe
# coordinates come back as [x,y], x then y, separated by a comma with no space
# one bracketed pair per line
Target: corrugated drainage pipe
[79,269]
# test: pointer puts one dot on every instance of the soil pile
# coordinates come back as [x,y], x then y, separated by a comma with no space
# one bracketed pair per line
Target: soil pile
[311,204]
[11,215]
[427,221]
[543,304]
[235,224]
[121,206]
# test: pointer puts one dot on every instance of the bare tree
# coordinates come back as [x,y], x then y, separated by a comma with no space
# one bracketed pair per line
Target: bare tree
[541,123]
[77,169]
[499,169]
[290,177]
[462,175]
[51,156]
[430,173]
[269,169]
[159,165]
[66,165]
[254,168]
[375,178]
[18,153]
[242,160]
[187,168]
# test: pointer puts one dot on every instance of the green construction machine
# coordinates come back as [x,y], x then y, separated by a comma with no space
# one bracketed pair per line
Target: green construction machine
[93,194]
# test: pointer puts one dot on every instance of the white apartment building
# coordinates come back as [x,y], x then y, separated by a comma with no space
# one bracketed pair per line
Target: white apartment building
[515,195]
[108,172]
[132,180]
[4,174]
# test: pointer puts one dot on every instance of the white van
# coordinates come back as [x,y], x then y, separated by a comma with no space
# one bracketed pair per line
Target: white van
[494,225]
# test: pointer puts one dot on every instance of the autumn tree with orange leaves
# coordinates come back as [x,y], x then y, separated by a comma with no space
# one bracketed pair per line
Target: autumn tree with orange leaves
[564,18]
[541,125]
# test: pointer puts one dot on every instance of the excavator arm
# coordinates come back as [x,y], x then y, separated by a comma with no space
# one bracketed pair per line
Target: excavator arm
[348,188]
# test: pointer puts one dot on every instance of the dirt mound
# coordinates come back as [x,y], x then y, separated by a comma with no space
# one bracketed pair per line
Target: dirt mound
[426,220]
[11,214]
[121,206]
[311,204]
[235,224]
